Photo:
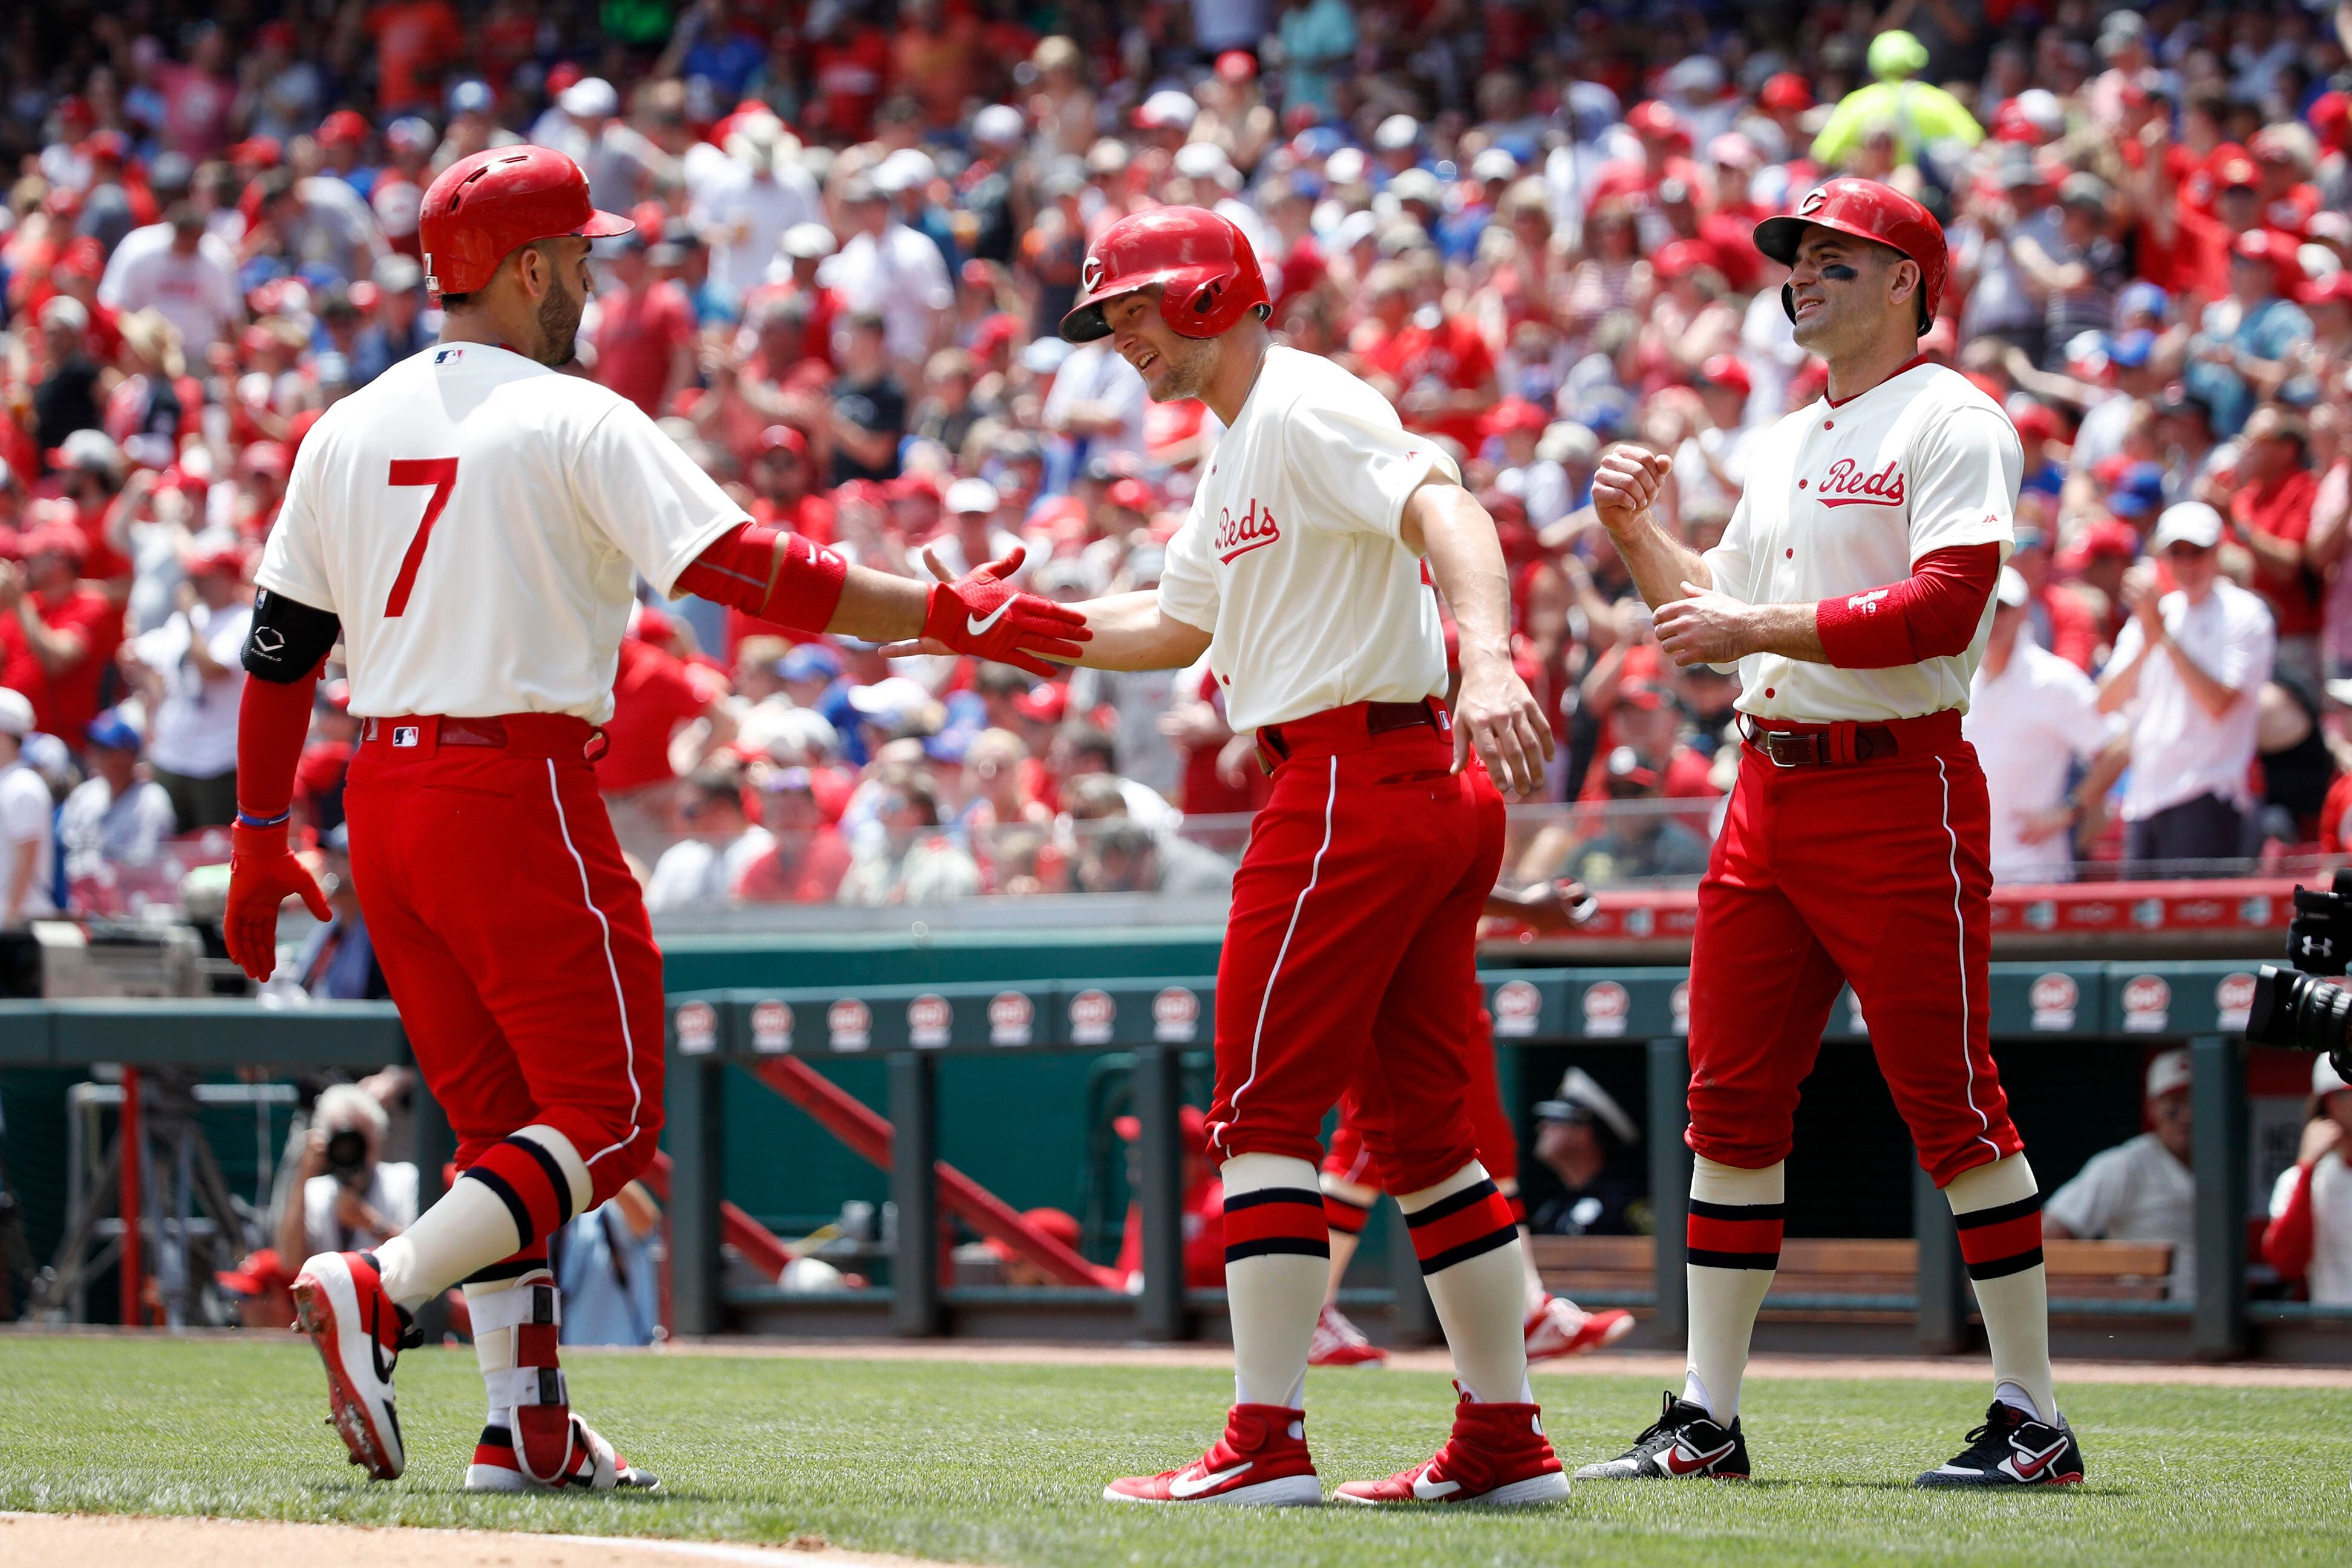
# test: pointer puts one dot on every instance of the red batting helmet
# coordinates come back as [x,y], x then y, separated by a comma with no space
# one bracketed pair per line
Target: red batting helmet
[483,207]
[1212,275]
[1867,210]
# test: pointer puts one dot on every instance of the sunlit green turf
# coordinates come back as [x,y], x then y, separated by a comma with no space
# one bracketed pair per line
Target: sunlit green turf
[1000,1464]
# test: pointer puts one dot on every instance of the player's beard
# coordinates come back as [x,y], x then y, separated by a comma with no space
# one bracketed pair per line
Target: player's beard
[1188,363]
[559,325]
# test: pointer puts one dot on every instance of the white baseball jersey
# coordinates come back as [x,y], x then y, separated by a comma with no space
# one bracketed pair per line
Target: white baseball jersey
[1844,497]
[478,521]
[2030,724]
[1291,560]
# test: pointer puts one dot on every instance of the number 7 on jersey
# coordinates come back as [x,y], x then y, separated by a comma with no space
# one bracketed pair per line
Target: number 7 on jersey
[441,473]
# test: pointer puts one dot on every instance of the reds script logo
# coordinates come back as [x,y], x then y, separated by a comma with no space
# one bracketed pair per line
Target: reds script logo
[1237,536]
[1090,276]
[1847,485]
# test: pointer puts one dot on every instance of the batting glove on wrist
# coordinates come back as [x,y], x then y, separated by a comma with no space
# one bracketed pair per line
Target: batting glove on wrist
[980,612]
[262,874]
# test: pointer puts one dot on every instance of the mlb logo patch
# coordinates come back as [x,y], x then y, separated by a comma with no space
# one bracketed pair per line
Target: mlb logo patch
[448,356]
[404,734]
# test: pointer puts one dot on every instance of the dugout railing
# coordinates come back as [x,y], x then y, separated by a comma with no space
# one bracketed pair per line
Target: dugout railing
[2080,1006]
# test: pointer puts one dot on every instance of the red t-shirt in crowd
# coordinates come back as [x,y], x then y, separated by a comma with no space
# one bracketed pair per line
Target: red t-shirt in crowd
[66,701]
[638,337]
[851,75]
[1455,354]
[411,38]
[2282,508]
[802,868]
[1204,1237]
[653,694]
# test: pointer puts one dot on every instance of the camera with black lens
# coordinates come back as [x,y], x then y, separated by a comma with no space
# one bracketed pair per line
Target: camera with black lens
[2298,1006]
[347,1155]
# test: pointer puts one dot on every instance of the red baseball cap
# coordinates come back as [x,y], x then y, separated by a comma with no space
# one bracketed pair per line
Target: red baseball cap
[1786,93]
[2034,421]
[1516,414]
[110,144]
[1191,1124]
[1681,256]
[266,457]
[84,258]
[1652,117]
[2107,537]
[258,1274]
[2335,289]
[2237,171]
[1057,1223]
[650,218]
[261,151]
[1133,495]
[215,559]
[344,127]
[1045,703]
[782,438]
[1640,694]
[1726,370]
[1236,66]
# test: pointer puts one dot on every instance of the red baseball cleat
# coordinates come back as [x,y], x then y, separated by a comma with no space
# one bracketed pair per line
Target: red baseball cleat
[1338,1342]
[340,1302]
[1260,1459]
[1497,1453]
[589,1463]
[1562,1328]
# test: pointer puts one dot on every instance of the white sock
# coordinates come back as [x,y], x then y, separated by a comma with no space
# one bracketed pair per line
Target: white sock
[1724,1301]
[1478,1302]
[470,1230]
[1536,1294]
[2014,1302]
[1274,1293]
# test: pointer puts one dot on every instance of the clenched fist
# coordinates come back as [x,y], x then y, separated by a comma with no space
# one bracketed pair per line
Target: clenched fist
[1625,484]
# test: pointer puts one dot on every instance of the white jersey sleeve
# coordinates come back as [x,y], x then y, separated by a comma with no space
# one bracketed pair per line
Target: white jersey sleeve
[1347,447]
[1967,463]
[648,498]
[1188,584]
[1728,564]
[293,563]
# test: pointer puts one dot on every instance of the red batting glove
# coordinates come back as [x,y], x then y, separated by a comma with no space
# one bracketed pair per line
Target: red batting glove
[980,612]
[262,874]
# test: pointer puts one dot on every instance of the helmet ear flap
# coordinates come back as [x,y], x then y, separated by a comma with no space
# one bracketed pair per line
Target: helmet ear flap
[1789,301]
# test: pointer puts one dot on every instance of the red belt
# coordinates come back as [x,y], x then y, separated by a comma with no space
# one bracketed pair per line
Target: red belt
[558,736]
[1788,743]
[1345,728]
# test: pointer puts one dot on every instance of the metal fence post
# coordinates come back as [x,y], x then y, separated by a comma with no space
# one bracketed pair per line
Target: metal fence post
[1669,1173]
[914,1188]
[1943,1322]
[697,1148]
[1158,1086]
[2218,1095]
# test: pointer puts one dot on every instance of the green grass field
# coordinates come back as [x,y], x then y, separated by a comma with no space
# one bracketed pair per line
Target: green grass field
[1005,1464]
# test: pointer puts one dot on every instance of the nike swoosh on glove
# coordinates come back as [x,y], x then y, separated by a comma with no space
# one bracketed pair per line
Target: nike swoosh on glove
[981,614]
[262,874]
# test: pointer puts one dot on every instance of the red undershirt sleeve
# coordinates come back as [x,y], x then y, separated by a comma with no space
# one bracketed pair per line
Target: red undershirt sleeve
[2286,1241]
[273,719]
[780,577]
[1932,614]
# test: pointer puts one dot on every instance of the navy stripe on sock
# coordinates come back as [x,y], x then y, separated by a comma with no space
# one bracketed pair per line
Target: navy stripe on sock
[1699,1258]
[555,1177]
[516,1208]
[1296,1246]
[1452,1203]
[1976,1219]
[2000,1267]
[1476,1247]
[1275,1195]
[512,1269]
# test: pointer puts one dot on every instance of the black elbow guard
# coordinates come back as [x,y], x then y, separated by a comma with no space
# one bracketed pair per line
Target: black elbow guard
[289,640]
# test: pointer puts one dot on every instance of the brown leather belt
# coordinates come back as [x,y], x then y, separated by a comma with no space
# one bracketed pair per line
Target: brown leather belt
[1277,742]
[1844,744]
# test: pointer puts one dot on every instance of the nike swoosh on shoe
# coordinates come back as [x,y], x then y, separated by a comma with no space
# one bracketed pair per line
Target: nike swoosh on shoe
[1192,1487]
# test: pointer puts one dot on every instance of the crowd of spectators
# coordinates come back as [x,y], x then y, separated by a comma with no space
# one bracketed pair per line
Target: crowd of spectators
[857,227]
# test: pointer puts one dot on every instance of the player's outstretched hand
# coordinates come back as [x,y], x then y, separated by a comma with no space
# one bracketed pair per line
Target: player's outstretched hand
[262,874]
[980,612]
[1497,714]
[1705,627]
[1626,482]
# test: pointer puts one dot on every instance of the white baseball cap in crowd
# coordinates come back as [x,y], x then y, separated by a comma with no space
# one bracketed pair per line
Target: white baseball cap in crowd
[2012,593]
[2324,1080]
[808,241]
[998,125]
[1396,133]
[590,98]
[968,496]
[1417,185]
[1202,161]
[15,713]
[1494,163]
[1344,167]
[2186,523]
[1168,109]
[905,169]
[2166,1071]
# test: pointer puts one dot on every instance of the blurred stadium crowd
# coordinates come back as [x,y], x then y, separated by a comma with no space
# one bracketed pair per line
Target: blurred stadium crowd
[857,227]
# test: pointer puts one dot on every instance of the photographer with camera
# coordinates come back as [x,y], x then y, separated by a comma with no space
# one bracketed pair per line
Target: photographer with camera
[2310,1234]
[349,1198]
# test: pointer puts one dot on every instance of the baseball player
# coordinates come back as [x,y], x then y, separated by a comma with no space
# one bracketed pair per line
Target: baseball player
[1554,1326]
[470,526]
[1304,574]
[1854,589]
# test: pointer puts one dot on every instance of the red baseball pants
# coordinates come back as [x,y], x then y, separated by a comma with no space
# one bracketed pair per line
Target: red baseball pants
[1876,874]
[512,934]
[1495,1137]
[1350,960]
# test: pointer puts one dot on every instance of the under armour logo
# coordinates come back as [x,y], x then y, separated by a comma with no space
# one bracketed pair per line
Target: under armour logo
[1090,276]
[1866,603]
[1813,202]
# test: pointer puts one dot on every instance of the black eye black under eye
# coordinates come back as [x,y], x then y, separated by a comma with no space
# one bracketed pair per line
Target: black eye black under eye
[1838,272]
